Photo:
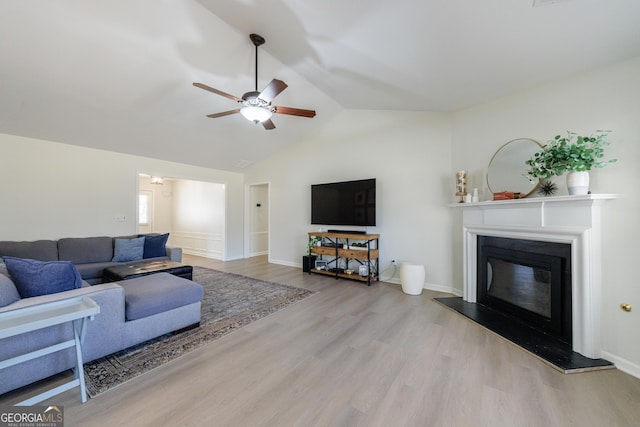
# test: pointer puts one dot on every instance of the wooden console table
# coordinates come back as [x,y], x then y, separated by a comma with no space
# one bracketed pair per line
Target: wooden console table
[75,310]
[340,248]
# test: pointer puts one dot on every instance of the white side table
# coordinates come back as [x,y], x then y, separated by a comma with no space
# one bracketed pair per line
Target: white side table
[75,310]
[412,278]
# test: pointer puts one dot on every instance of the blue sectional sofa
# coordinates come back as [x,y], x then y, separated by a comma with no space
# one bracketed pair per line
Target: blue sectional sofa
[131,311]
[90,255]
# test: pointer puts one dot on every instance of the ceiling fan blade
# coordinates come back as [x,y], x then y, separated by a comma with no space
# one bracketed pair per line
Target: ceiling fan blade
[295,112]
[217,92]
[224,113]
[268,124]
[272,90]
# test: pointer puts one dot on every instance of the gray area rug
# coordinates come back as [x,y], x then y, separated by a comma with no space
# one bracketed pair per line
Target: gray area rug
[230,302]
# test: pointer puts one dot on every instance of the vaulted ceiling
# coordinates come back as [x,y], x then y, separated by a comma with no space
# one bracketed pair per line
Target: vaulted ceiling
[118,74]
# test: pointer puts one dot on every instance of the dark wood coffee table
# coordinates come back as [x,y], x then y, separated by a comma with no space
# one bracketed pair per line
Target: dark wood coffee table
[130,271]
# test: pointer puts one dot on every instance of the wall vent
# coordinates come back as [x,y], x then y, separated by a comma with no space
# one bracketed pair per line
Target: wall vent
[242,164]
[538,3]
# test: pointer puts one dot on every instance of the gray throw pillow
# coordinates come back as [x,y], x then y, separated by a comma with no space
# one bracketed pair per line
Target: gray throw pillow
[33,278]
[8,292]
[128,249]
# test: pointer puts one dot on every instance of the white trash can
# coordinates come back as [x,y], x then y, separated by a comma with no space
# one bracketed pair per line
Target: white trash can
[412,278]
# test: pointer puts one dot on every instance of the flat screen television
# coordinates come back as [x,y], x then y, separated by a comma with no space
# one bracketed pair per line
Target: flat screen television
[344,203]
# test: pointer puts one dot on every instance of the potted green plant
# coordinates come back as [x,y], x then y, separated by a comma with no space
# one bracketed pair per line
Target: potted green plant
[309,260]
[313,242]
[572,154]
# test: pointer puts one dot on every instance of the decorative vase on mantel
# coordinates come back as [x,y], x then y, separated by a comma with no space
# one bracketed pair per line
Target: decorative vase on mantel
[578,183]
[572,154]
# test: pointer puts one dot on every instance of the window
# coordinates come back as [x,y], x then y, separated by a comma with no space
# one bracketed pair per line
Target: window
[144,207]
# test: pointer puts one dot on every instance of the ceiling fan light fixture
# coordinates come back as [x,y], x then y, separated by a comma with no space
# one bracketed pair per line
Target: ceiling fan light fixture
[256,106]
[256,114]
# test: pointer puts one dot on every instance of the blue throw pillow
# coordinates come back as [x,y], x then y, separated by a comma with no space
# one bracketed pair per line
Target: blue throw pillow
[155,246]
[128,249]
[8,292]
[33,278]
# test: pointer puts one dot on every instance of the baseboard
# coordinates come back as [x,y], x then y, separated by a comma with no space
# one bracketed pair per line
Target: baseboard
[623,364]
[445,289]
[393,279]
[203,253]
[428,286]
[286,263]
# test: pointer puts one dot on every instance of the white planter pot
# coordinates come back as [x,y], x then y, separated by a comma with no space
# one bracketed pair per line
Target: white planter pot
[578,183]
[412,278]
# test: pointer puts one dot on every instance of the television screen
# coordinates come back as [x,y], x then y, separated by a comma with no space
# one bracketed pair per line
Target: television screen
[344,203]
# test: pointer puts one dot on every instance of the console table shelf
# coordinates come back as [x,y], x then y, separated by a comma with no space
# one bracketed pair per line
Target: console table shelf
[336,253]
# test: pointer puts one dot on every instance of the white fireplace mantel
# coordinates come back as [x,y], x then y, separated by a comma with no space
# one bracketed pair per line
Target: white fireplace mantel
[564,219]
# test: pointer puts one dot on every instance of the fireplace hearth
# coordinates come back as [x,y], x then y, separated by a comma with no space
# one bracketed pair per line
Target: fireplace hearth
[551,351]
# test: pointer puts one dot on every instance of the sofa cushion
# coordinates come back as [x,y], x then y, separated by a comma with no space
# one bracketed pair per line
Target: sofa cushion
[132,236]
[155,245]
[156,293]
[33,278]
[42,250]
[82,250]
[128,249]
[8,292]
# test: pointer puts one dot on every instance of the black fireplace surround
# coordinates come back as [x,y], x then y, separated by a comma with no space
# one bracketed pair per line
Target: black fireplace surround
[528,280]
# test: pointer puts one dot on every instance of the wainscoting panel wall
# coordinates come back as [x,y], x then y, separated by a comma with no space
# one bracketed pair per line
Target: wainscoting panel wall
[208,245]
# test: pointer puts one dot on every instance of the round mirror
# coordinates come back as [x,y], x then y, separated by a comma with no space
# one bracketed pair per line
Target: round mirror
[507,169]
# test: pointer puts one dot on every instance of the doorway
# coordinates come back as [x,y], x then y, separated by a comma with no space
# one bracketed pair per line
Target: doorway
[192,212]
[257,210]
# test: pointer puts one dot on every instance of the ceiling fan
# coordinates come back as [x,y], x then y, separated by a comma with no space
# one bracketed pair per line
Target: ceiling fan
[256,106]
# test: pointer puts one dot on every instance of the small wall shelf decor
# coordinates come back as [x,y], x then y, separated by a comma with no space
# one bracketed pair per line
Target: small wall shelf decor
[547,188]
[338,253]
[461,184]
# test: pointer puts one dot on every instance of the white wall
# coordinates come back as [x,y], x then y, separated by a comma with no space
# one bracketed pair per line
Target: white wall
[52,190]
[409,155]
[603,99]
[199,218]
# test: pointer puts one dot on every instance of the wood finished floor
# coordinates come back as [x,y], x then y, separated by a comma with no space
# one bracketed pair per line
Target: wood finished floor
[353,355]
